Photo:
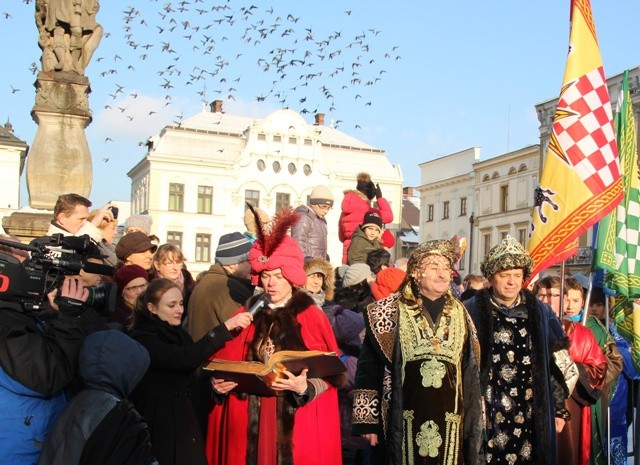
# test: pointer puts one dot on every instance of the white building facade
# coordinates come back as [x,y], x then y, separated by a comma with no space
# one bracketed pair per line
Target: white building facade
[447,199]
[13,153]
[504,197]
[196,178]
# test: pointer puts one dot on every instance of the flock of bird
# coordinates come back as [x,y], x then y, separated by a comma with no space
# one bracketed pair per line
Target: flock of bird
[229,49]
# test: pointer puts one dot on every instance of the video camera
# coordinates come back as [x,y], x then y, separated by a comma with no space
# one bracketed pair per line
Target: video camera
[52,258]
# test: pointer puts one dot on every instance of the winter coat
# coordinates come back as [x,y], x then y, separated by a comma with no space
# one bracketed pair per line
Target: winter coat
[111,364]
[214,299]
[310,231]
[354,205]
[38,359]
[164,396]
[547,340]
[303,434]
[360,247]
[380,376]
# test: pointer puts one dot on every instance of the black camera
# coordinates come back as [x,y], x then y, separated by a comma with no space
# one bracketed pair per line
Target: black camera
[52,258]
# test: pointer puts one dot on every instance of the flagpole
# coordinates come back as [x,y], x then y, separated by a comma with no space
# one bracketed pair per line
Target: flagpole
[562,275]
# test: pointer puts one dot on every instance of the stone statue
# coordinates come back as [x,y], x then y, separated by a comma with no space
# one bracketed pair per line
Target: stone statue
[68,33]
[59,159]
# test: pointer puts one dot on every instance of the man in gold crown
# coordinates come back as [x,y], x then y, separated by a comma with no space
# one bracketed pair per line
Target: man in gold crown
[417,397]
[525,371]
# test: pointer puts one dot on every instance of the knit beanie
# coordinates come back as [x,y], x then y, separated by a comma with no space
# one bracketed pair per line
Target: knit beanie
[387,282]
[143,222]
[250,221]
[127,273]
[321,195]
[355,274]
[134,242]
[372,218]
[232,248]
[363,181]
[347,326]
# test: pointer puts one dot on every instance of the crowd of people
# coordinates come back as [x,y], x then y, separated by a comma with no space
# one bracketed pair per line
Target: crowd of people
[437,369]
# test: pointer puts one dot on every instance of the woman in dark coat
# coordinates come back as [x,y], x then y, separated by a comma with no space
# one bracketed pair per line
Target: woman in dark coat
[163,396]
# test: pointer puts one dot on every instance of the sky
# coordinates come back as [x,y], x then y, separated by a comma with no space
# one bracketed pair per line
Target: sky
[417,78]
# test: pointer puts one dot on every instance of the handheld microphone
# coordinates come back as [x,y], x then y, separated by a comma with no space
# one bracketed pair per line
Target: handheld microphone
[259,304]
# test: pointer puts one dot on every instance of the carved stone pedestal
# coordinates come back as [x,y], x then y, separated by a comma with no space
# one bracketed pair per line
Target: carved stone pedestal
[59,160]
[27,225]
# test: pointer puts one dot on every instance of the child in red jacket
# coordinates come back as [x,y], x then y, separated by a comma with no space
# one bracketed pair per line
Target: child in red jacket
[354,206]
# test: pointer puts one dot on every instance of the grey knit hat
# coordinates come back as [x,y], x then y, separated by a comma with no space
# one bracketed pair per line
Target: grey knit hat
[143,222]
[232,248]
[321,195]
[355,274]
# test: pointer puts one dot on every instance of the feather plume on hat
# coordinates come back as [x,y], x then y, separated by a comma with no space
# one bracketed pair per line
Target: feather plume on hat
[276,249]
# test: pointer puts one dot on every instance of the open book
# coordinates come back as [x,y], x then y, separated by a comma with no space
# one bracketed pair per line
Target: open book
[256,377]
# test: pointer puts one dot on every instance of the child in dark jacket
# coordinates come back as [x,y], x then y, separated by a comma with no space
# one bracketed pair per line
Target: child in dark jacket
[365,238]
[100,424]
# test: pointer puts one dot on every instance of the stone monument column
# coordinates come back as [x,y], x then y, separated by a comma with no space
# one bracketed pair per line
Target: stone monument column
[59,161]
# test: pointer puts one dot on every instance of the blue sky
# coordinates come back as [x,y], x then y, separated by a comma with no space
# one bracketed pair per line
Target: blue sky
[455,75]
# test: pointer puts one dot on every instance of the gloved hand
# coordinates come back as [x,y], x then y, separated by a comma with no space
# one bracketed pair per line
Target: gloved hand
[378,191]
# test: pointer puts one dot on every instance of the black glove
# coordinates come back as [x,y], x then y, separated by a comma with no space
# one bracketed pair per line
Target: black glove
[371,190]
[378,191]
[70,306]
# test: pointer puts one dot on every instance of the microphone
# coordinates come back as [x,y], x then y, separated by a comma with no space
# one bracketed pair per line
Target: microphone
[97,268]
[259,304]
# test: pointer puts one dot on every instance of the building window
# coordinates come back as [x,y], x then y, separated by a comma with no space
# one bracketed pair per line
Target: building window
[176,197]
[252,197]
[292,168]
[308,142]
[306,169]
[486,245]
[277,138]
[503,235]
[262,137]
[504,198]
[276,166]
[203,247]
[174,238]
[282,200]
[293,140]
[463,206]
[429,213]
[205,199]
[445,210]
[522,236]
[261,165]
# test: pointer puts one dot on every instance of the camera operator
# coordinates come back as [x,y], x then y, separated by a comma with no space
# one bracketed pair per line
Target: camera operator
[38,360]
[71,218]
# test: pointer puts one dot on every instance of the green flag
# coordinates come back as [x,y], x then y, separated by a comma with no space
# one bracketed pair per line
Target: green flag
[618,250]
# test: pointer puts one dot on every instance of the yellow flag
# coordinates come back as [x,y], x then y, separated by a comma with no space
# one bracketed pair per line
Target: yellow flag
[580,182]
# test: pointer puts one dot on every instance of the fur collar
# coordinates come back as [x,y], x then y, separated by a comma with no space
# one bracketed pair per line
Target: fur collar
[282,324]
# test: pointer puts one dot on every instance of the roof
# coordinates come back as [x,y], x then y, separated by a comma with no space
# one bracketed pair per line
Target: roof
[410,214]
[7,137]
[277,122]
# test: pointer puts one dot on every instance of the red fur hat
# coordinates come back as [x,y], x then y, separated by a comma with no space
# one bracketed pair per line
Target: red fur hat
[278,250]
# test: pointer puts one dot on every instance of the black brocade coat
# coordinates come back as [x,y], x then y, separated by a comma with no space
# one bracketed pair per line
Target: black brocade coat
[547,337]
[164,396]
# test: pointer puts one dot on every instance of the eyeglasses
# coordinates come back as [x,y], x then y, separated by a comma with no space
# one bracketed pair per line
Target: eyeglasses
[547,296]
[140,288]
[324,207]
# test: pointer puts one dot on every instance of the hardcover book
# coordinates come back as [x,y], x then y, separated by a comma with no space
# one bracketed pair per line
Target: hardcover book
[256,377]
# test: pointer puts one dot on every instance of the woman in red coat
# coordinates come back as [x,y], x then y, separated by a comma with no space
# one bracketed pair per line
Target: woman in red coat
[354,206]
[301,426]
